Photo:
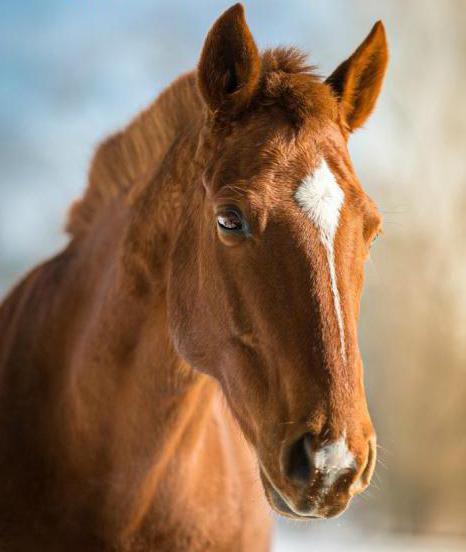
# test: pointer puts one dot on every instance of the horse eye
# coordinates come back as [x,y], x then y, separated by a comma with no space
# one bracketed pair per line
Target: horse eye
[376,237]
[230,221]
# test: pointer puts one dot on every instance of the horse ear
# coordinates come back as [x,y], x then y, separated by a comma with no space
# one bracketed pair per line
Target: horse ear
[358,80]
[229,68]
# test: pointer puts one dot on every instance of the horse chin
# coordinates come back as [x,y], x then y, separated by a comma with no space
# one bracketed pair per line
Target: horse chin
[279,505]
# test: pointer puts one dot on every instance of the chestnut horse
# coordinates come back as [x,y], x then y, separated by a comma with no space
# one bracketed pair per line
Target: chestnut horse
[193,350]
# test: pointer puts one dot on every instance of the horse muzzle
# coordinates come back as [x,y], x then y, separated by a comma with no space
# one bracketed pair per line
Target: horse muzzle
[318,482]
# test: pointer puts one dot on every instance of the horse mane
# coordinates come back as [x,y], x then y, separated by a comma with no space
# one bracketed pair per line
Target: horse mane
[126,156]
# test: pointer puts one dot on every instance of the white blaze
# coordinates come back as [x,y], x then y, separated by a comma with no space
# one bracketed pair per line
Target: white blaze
[321,198]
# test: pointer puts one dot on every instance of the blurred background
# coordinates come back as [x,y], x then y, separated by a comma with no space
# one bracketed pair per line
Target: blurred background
[72,71]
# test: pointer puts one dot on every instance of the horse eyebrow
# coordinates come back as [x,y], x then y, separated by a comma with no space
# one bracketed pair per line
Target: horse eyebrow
[232,189]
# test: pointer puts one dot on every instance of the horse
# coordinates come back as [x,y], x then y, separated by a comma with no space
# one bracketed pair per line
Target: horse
[189,362]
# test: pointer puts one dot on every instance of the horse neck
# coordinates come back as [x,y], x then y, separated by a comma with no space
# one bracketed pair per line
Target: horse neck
[126,384]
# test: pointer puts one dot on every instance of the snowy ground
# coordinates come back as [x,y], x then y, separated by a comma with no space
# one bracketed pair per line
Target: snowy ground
[311,539]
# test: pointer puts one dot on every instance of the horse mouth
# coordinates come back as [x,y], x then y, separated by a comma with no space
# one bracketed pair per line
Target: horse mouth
[279,504]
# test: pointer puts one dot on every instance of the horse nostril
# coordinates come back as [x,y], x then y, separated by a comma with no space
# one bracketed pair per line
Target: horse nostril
[298,464]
